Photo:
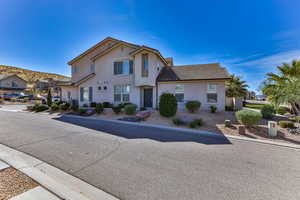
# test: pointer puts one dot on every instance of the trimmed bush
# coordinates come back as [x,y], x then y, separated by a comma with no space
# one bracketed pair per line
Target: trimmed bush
[130,109]
[117,109]
[286,124]
[54,107]
[49,98]
[178,122]
[41,107]
[267,111]
[82,111]
[93,104]
[193,106]
[74,108]
[99,108]
[85,105]
[248,117]
[196,123]
[30,108]
[107,105]
[227,123]
[213,108]
[64,106]
[281,110]
[167,105]
[122,105]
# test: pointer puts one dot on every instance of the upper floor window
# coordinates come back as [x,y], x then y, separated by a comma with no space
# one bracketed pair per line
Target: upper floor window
[123,67]
[211,87]
[211,96]
[145,65]
[92,67]
[179,93]
[74,69]
[14,84]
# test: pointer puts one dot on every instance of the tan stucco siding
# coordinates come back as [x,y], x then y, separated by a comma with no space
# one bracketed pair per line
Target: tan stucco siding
[64,93]
[196,91]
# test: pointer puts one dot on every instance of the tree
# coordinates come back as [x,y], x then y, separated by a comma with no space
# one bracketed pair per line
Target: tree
[49,98]
[236,88]
[284,87]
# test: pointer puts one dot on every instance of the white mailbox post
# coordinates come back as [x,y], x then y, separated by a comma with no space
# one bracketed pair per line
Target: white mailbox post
[272,126]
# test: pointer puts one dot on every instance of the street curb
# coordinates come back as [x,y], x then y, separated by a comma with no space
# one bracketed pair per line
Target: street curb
[189,131]
[55,180]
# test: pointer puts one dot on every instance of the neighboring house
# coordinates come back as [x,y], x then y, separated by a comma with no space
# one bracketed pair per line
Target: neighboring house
[51,83]
[116,71]
[11,84]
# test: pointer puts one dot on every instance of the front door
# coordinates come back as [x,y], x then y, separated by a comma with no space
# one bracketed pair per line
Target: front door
[148,97]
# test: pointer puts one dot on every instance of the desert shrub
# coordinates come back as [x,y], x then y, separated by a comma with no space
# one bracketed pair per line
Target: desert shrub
[267,111]
[286,124]
[99,108]
[30,108]
[82,111]
[122,105]
[107,105]
[167,105]
[130,109]
[64,106]
[74,108]
[54,107]
[93,104]
[229,108]
[193,106]
[117,109]
[85,105]
[281,110]
[196,123]
[59,102]
[213,108]
[248,117]
[178,122]
[41,107]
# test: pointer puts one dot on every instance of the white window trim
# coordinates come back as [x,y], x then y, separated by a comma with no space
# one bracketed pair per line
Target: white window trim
[122,59]
[181,92]
[209,90]
[121,93]
[212,102]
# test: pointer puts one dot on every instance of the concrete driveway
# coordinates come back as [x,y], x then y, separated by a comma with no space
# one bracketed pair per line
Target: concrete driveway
[137,163]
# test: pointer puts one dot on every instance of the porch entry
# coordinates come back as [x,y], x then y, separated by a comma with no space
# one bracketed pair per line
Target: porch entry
[148,97]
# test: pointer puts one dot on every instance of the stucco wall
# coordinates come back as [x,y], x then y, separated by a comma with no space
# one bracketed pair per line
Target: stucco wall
[196,91]
[7,83]
[74,93]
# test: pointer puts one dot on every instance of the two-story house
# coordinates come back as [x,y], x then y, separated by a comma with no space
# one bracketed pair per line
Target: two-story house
[12,83]
[116,71]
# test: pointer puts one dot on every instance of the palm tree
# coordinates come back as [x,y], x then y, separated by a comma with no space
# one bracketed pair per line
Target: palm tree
[284,87]
[236,88]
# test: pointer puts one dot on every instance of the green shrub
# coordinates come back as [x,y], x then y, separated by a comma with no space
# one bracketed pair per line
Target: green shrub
[281,110]
[193,106]
[142,109]
[30,108]
[122,105]
[93,104]
[99,108]
[85,105]
[213,108]
[196,123]
[178,122]
[229,108]
[117,109]
[167,105]
[248,117]
[82,111]
[130,109]
[74,108]
[64,106]
[286,124]
[267,111]
[49,98]
[107,105]
[54,107]
[41,107]
[227,123]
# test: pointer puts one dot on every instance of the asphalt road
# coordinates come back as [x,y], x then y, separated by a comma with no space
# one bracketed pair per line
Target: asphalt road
[137,163]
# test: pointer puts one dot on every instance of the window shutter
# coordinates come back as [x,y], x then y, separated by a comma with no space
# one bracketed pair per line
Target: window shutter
[81,94]
[130,66]
[120,67]
[91,94]
[115,67]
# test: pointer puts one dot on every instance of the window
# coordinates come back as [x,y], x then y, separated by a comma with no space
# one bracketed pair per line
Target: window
[179,93]
[74,69]
[212,97]
[14,84]
[145,65]
[92,68]
[211,87]
[123,67]
[121,93]
[69,95]
[85,94]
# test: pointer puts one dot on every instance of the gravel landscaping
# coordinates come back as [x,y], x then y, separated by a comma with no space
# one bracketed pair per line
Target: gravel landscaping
[13,183]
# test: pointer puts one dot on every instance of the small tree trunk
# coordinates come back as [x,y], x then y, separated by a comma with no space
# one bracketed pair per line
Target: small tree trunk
[234,103]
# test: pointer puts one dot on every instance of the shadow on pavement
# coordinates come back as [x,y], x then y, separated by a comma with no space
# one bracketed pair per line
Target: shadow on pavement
[132,131]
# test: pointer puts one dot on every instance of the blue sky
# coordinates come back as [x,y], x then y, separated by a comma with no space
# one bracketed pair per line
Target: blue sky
[250,38]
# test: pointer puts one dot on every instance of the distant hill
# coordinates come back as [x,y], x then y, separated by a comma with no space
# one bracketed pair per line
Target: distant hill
[29,75]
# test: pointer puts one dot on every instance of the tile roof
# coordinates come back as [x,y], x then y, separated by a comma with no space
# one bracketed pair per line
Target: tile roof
[212,71]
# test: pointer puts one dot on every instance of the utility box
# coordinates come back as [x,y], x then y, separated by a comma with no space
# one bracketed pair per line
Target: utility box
[272,128]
